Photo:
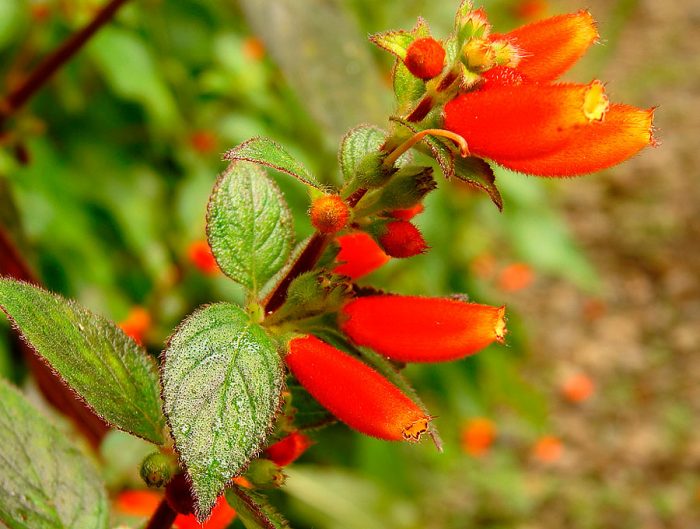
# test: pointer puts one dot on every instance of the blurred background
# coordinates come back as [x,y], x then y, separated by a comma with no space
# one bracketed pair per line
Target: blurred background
[586,419]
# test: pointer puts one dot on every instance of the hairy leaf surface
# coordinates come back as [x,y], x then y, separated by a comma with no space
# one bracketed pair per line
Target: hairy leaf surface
[222,379]
[45,482]
[113,374]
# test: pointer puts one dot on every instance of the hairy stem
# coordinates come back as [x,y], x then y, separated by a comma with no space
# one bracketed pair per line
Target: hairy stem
[46,68]
[163,518]
[306,261]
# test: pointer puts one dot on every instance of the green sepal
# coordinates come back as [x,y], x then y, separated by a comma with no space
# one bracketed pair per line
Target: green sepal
[478,174]
[265,474]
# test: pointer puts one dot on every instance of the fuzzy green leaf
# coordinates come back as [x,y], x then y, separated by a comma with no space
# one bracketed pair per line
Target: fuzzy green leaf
[45,482]
[356,144]
[407,87]
[479,175]
[266,152]
[254,510]
[113,374]
[222,381]
[249,226]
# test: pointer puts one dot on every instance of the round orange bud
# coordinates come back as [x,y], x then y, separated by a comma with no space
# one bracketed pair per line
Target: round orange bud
[402,239]
[329,214]
[478,435]
[425,58]
[578,388]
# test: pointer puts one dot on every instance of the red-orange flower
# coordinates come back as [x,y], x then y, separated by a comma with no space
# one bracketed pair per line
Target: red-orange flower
[200,255]
[354,392]
[550,47]
[359,255]
[416,329]
[400,238]
[578,388]
[478,435]
[508,123]
[408,213]
[145,502]
[136,324]
[288,449]
[548,449]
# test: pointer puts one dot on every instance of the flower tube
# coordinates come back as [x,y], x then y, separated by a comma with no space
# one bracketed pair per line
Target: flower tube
[354,392]
[417,329]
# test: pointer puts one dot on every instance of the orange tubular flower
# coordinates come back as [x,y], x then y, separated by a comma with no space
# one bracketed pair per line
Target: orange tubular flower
[416,329]
[288,449]
[359,255]
[354,392]
[625,131]
[550,47]
[524,121]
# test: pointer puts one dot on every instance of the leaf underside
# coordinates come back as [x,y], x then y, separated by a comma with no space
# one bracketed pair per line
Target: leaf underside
[45,482]
[222,381]
[113,374]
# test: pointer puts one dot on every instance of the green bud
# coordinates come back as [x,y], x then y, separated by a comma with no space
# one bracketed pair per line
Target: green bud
[265,474]
[370,173]
[305,289]
[407,188]
[157,469]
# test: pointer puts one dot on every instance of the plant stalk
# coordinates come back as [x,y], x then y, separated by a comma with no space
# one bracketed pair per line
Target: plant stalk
[13,101]
[163,517]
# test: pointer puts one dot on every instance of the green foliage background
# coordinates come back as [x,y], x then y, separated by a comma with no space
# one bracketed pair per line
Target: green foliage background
[115,190]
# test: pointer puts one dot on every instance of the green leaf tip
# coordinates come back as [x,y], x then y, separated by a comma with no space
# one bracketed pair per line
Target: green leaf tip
[222,385]
[105,367]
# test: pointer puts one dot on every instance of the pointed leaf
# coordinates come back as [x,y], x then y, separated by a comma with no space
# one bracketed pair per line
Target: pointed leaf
[249,226]
[265,151]
[254,510]
[407,87]
[222,381]
[114,375]
[478,174]
[45,482]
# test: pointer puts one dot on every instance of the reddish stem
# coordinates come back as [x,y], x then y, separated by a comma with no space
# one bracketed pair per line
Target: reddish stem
[305,262]
[163,518]
[19,96]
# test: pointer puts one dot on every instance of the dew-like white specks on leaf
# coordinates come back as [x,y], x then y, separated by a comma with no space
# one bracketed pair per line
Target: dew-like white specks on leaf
[249,226]
[222,380]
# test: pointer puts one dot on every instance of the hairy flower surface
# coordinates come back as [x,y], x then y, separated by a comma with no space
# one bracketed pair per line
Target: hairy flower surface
[359,255]
[329,214]
[425,58]
[417,329]
[400,238]
[354,392]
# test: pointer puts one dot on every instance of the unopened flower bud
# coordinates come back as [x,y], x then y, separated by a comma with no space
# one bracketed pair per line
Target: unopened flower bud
[407,213]
[288,449]
[478,55]
[425,58]
[370,173]
[471,23]
[329,214]
[354,392]
[406,188]
[399,238]
[418,329]
[265,474]
[359,255]
[157,469]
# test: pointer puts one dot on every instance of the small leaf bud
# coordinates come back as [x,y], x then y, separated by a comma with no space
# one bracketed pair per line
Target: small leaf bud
[370,173]
[399,238]
[425,58]
[157,470]
[263,473]
[329,214]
